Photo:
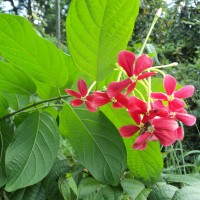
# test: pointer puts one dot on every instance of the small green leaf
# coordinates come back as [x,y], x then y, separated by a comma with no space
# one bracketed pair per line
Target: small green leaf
[96,142]
[88,187]
[132,187]
[32,152]
[108,192]
[163,191]
[3,106]
[37,57]
[187,193]
[15,81]
[97,31]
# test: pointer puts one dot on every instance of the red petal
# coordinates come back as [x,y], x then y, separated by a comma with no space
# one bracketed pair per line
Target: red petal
[158,95]
[131,88]
[143,62]
[166,138]
[128,131]
[165,124]
[115,88]
[73,93]
[117,105]
[100,101]
[136,102]
[76,102]
[146,75]
[135,116]
[122,99]
[169,84]
[176,105]
[184,92]
[126,60]
[82,87]
[187,119]
[179,133]
[141,141]
[90,107]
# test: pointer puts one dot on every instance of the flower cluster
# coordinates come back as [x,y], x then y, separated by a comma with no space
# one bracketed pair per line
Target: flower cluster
[155,120]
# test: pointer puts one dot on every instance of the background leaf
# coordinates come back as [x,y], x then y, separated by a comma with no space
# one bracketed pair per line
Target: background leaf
[96,142]
[97,31]
[35,147]
[22,47]
[162,191]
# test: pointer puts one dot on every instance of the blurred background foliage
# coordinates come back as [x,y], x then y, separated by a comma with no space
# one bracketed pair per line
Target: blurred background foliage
[175,38]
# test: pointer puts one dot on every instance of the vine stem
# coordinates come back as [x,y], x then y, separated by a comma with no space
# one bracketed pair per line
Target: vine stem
[33,105]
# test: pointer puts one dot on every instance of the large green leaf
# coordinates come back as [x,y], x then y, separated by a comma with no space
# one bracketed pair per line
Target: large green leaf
[6,134]
[15,81]
[22,47]
[146,165]
[97,31]
[3,106]
[97,143]
[32,152]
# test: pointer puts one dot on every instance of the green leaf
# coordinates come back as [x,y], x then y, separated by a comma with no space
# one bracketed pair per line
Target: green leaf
[162,191]
[51,181]
[97,31]
[29,193]
[186,193]
[6,134]
[32,152]
[108,192]
[37,57]
[3,106]
[88,187]
[132,187]
[96,142]
[15,81]
[187,179]
[144,194]
[145,165]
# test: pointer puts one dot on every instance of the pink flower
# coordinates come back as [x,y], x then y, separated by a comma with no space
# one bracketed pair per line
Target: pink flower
[173,97]
[82,96]
[133,68]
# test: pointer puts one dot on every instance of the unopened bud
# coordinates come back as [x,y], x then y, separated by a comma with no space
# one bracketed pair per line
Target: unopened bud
[159,12]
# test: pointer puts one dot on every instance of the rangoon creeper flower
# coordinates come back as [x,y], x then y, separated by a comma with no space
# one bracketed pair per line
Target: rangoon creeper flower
[134,68]
[82,96]
[173,97]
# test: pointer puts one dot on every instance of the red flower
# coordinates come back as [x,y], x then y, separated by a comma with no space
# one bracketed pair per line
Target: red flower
[133,68]
[82,96]
[173,97]
[102,98]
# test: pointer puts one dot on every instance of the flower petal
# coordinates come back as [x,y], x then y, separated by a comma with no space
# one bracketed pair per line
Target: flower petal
[82,87]
[158,95]
[187,119]
[126,60]
[184,92]
[176,105]
[73,93]
[115,88]
[128,131]
[169,84]
[146,75]
[131,88]
[143,62]
[90,106]
[165,137]
[179,133]
[122,99]
[136,102]
[141,141]
[76,102]
[100,101]
[164,124]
